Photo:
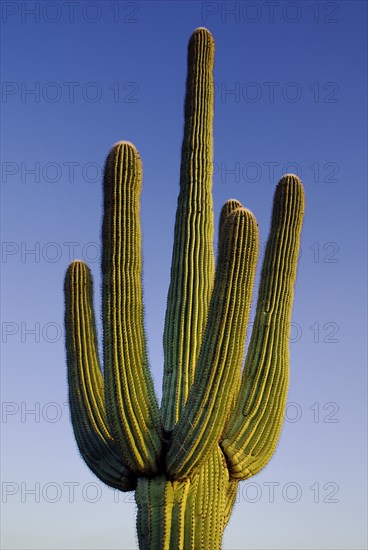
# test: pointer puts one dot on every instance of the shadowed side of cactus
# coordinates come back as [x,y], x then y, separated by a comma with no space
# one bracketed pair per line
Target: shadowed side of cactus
[217,424]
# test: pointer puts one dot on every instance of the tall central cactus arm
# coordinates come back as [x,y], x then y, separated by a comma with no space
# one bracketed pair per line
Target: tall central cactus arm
[212,394]
[132,408]
[86,394]
[192,268]
[252,433]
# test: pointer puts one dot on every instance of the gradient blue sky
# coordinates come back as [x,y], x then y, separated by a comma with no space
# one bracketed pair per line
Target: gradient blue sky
[290,96]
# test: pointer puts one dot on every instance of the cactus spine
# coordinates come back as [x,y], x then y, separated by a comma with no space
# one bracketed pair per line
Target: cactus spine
[218,424]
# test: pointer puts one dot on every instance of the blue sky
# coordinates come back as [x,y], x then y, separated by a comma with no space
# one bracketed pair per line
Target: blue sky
[290,97]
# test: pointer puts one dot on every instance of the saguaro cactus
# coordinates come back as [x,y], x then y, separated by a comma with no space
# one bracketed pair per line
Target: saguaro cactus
[218,423]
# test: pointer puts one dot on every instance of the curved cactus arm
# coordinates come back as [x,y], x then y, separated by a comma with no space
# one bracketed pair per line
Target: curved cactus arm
[219,364]
[253,430]
[86,395]
[131,404]
[192,268]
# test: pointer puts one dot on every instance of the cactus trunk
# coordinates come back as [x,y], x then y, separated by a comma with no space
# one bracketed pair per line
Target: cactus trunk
[188,514]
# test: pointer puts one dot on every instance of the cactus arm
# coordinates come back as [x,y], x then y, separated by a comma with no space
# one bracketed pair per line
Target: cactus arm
[131,404]
[192,268]
[203,419]
[253,430]
[85,381]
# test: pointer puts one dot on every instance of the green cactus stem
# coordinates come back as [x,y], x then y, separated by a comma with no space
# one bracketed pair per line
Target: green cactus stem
[218,423]
[192,269]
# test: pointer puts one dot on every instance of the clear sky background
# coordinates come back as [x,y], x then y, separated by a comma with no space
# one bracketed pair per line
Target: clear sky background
[290,97]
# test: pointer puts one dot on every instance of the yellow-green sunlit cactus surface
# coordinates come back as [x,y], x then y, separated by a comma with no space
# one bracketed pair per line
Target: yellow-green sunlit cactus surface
[218,423]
